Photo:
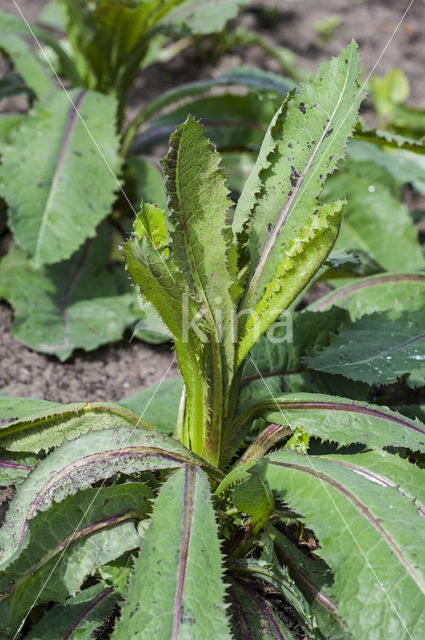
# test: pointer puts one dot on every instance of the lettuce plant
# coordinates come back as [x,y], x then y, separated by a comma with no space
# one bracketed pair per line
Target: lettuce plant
[66,236]
[260,497]
[81,137]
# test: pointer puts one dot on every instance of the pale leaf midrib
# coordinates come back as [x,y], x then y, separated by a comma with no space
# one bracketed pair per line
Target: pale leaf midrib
[298,191]
[345,292]
[73,114]
[187,520]
[358,504]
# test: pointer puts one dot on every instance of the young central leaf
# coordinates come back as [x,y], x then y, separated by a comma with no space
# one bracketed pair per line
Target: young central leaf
[279,205]
[201,240]
[201,245]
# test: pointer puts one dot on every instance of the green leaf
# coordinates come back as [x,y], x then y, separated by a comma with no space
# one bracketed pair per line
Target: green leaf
[373,217]
[49,217]
[66,543]
[253,496]
[204,16]
[53,15]
[201,246]
[254,616]
[384,292]
[267,568]
[78,464]
[171,594]
[32,425]
[242,123]
[13,409]
[404,166]
[300,262]
[35,74]
[13,25]
[277,355]
[387,139]
[110,40]
[10,85]
[409,121]
[341,420]
[149,184]
[79,616]
[201,241]
[315,579]
[158,404]
[388,91]
[344,263]
[377,349]
[73,304]
[8,123]
[237,112]
[365,499]
[157,276]
[150,327]
[279,200]
[15,467]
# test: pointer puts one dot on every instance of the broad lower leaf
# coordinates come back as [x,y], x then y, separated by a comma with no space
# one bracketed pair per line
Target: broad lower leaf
[177,590]
[8,122]
[35,74]
[242,113]
[373,218]
[204,16]
[377,348]
[243,120]
[81,614]
[78,464]
[387,139]
[33,425]
[365,499]
[278,205]
[15,467]
[254,616]
[342,420]
[404,166]
[49,216]
[17,34]
[66,543]
[14,409]
[384,292]
[158,404]
[314,579]
[73,304]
